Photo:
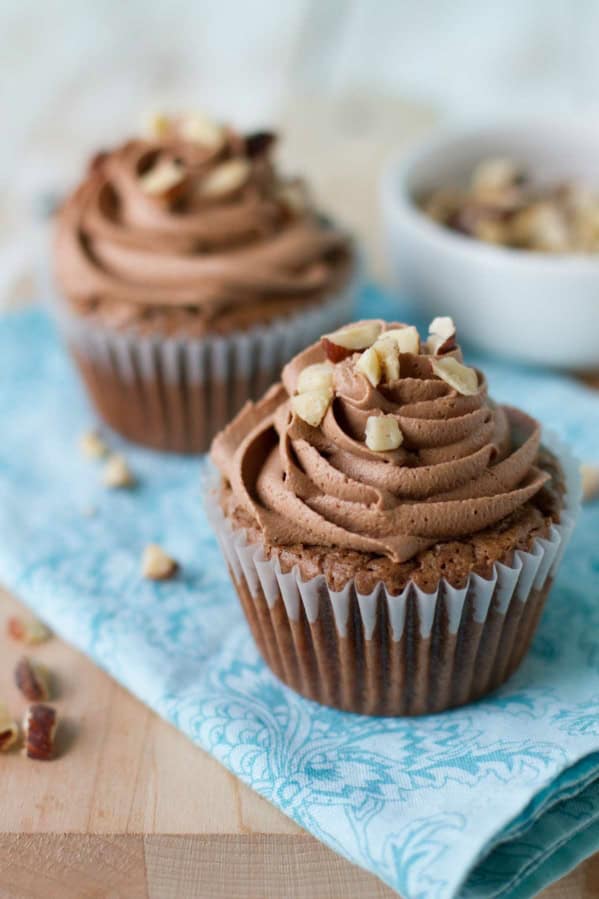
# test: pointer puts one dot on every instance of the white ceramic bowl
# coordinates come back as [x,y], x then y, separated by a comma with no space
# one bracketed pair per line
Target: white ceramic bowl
[531,306]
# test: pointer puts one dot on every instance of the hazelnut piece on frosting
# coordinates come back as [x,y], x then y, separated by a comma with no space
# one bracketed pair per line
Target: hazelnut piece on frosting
[200,129]
[312,405]
[369,364]
[387,350]
[316,377]
[407,339]
[163,180]
[349,339]
[441,337]
[314,393]
[380,361]
[225,178]
[460,377]
[157,125]
[383,433]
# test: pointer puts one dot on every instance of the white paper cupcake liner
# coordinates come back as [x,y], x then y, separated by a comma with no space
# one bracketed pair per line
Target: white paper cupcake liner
[405,654]
[176,393]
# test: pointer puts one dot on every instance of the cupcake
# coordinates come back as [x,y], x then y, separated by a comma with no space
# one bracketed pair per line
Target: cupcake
[189,271]
[392,532]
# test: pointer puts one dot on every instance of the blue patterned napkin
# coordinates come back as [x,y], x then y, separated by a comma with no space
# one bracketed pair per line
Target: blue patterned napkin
[495,799]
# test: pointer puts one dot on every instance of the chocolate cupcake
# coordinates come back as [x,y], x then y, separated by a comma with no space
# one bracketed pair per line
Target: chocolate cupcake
[392,533]
[189,272]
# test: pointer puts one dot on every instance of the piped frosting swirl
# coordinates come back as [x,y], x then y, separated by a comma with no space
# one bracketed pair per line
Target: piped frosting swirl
[464,463]
[194,229]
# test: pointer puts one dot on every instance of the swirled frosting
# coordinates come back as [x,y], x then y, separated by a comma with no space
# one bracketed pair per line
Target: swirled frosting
[464,465]
[215,252]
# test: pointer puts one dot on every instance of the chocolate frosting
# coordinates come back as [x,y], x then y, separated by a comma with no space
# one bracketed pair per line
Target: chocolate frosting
[216,261]
[464,465]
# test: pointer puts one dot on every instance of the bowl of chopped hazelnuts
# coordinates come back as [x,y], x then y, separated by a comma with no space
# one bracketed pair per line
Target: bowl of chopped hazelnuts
[499,227]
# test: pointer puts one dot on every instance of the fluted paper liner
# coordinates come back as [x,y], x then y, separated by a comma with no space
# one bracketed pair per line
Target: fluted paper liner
[407,654]
[176,393]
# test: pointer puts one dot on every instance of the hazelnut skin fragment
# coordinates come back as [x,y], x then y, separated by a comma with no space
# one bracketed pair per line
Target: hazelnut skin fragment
[32,680]
[39,729]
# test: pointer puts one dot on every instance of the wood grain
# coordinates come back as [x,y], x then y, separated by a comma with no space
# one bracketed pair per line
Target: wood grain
[132,809]
[72,866]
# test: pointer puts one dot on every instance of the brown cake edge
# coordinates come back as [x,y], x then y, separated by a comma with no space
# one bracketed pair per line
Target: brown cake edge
[452,560]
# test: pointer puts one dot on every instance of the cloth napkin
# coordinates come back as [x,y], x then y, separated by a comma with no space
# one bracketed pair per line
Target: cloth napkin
[494,799]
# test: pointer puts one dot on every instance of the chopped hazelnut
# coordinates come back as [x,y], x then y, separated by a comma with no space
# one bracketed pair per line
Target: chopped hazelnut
[442,333]
[164,181]
[380,361]
[117,473]
[387,350]
[493,176]
[503,206]
[311,406]
[349,339]
[198,128]
[157,125]
[92,445]
[39,729]
[28,630]
[443,326]
[383,433]
[225,178]
[33,680]
[541,226]
[315,377]
[9,730]
[460,377]
[407,339]
[492,231]
[156,565]
[443,204]
[369,365]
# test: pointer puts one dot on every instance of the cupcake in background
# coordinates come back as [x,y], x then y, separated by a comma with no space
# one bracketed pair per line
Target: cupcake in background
[392,533]
[189,270]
